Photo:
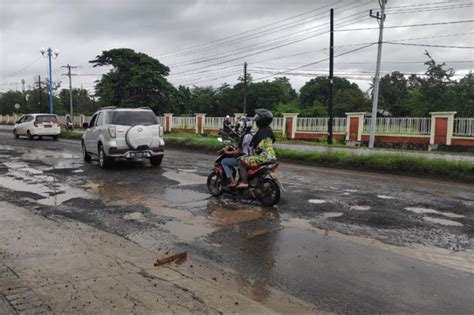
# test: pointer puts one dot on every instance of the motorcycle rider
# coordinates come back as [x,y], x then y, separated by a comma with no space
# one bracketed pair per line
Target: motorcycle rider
[244,148]
[262,144]
[68,123]
[227,124]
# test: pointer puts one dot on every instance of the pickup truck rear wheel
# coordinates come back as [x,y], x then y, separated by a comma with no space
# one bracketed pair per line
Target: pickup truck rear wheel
[156,160]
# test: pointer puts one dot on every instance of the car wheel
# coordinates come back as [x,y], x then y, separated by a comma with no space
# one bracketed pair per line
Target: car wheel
[55,138]
[15,134]
[29,135]
[104,161]
[40,137]
[85,155]
[156,160]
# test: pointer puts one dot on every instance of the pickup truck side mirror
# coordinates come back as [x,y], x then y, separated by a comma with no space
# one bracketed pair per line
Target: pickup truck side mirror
[85,125]
[17,122]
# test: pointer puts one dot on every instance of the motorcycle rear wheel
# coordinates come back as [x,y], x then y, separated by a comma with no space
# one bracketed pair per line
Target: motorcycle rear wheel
[215,184]
[270,193]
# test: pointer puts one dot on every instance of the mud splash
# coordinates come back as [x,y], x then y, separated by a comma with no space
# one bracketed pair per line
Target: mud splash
[439,256]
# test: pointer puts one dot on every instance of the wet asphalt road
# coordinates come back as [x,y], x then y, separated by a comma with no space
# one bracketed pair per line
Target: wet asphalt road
[344,241]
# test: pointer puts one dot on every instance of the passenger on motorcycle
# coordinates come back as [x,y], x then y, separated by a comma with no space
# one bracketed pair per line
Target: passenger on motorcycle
[232,160]
[262,145]
[227,124]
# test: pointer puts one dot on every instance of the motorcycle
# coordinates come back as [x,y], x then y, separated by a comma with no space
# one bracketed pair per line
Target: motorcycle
[69,126]
[263,185]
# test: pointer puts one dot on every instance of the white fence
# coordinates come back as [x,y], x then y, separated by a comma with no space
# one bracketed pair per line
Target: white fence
[161,120]
[184,122]
[277,124]
[400,125]
[312,124]
[214,123]
[463,127]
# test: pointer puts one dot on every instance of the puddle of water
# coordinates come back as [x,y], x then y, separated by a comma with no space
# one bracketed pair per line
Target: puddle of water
[360,208]
[385,197]
[453,259]
[328,215]
[445,222]
[188,170]
[317,201]
[428,210]
[224,217]
[351,190]
[22,177]
[187,232]
[185,178]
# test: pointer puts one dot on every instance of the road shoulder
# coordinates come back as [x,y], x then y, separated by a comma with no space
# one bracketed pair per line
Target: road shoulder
[75,268]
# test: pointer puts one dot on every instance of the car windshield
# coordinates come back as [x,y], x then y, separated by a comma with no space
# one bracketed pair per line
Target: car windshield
[133,118]
[46,118]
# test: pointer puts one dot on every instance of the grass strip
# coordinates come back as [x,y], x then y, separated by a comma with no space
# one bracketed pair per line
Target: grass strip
[388,163]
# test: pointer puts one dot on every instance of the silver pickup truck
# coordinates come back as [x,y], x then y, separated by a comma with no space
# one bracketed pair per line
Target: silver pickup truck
[123,133]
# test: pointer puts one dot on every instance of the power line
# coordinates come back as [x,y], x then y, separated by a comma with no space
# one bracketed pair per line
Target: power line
[24,68]
[403,26]
[243,33]
[274,41]
[278,29]
[316,62]
[430,45]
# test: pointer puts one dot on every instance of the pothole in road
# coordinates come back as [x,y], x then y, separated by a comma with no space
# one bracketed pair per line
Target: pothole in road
[432,211]
[185,177]
[445,222]
[385,197]
[328,215]
[317,201]
[359,208]
[23,178]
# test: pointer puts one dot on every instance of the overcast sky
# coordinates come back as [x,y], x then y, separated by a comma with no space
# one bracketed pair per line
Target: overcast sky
[272,41]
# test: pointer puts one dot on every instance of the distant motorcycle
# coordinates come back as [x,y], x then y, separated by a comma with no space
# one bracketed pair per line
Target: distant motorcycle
[69,126]
[263,186]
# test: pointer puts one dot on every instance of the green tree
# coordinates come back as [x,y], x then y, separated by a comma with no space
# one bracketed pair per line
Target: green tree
[394,93]
[81,100]
[8,101]
[135,79]
[347,95]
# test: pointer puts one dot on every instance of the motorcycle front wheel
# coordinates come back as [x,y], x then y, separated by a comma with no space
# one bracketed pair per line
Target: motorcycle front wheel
[270,193]
[215,184]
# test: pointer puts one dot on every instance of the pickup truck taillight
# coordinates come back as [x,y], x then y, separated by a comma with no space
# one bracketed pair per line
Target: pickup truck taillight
[112,132]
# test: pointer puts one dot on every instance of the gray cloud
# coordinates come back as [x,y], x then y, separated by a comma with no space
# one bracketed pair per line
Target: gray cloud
[82,29]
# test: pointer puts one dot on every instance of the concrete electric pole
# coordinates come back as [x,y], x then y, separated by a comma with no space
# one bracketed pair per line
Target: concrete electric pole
[69,74]
[380,16]
[331,77]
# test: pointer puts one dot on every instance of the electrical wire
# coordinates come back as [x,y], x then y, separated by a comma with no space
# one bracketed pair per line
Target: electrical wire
[429,45]
[403,26]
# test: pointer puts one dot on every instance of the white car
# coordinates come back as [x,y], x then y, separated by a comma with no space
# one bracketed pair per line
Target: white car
[37,125]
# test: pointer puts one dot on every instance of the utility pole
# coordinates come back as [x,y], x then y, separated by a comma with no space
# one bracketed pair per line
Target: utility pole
[245,88]
[380,16]
[331,76]
[69,74]
[23,92]
[39,94]
[49,54]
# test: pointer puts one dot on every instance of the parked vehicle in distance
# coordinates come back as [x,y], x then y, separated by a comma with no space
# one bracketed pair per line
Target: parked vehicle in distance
[37,125]
[123,133]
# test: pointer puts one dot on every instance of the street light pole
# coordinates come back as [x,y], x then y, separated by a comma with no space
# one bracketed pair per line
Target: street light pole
[49,53]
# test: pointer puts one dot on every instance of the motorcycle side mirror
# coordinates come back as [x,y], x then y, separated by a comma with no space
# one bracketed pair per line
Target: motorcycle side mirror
[220,139]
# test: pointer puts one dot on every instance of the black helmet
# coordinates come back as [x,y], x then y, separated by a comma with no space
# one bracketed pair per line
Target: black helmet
[263,117]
